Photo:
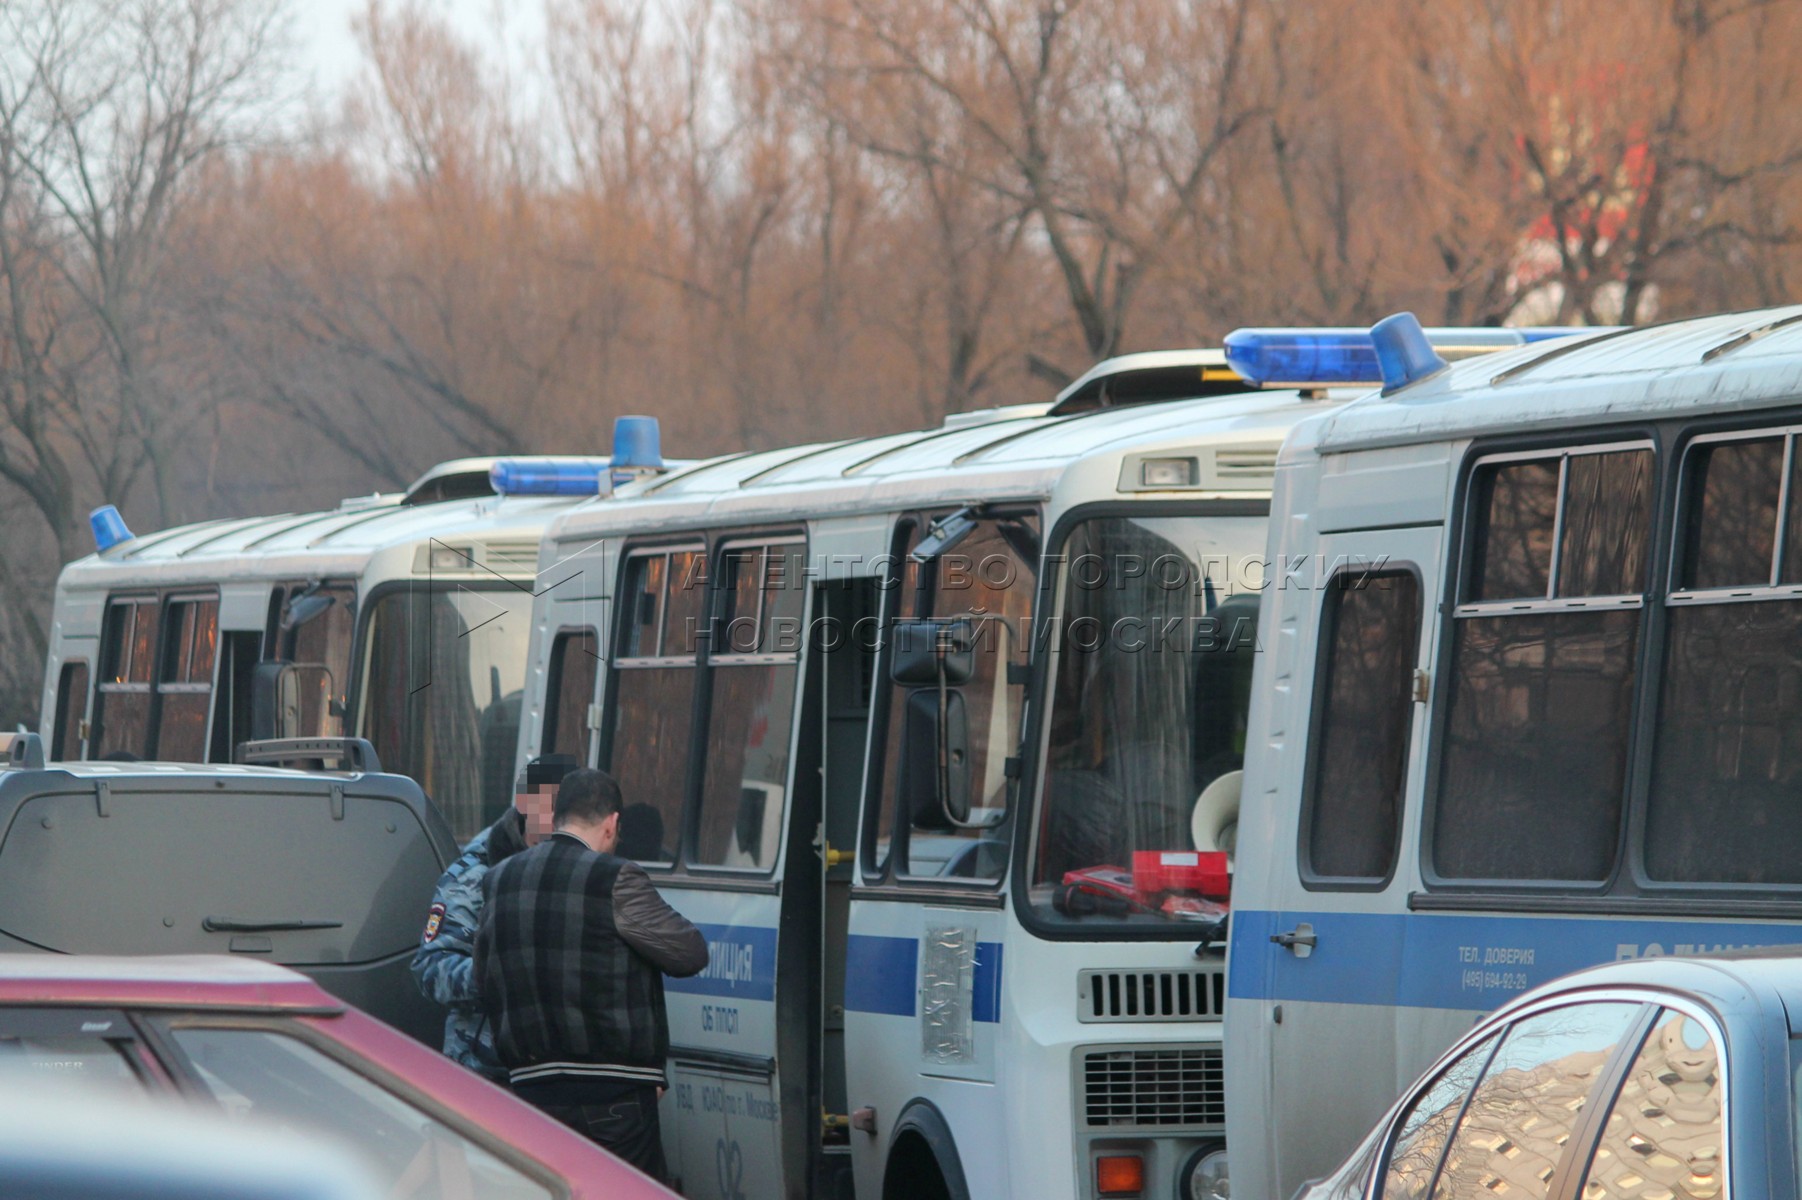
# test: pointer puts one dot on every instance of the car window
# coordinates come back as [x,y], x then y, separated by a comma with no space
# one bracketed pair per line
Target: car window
[1663,1136]
[83,1050]
[1533,1093]
[1422,1133]
[31,1065]
[274,1079]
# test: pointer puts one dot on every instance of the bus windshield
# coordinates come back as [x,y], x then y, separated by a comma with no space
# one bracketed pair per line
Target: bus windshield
[443,675]
[1150,640]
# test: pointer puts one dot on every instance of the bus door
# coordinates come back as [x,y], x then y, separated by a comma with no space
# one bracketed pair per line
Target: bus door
[924,962]
[701,738]
[1331,935]
[817,881]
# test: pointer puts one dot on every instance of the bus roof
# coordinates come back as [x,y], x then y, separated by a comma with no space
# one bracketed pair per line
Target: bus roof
[1016,454]
[338,541]
[1738,361]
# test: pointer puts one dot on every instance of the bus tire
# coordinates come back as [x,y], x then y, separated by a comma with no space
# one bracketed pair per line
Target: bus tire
[922,1158]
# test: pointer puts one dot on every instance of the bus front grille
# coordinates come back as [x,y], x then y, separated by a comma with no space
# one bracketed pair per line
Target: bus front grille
[1150,995]
[1161,1087]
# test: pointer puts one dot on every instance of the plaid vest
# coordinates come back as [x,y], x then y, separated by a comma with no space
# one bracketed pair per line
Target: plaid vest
[567,996]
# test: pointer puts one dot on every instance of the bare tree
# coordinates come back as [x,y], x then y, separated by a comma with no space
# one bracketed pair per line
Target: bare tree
[1103,123]
[105,114]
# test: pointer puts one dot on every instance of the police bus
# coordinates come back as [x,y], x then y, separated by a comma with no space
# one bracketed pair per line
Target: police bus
[1532,701]
[937,737]
[399,618]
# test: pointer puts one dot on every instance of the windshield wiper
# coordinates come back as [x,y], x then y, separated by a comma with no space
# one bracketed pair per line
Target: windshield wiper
[238,925]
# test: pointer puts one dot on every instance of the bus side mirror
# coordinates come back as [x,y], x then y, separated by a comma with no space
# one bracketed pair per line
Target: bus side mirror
[284,694]
[928,653]
[933,659]
[934,767]
[304,606]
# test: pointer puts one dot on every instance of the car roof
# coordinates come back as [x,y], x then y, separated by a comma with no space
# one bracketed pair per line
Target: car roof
[1774,971]
[138,769]
[213,981]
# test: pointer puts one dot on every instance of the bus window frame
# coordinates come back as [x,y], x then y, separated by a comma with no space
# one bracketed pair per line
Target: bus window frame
[60,738]
[1619,891]
[367,605]
[886,881]
[108,656]
[1312,880]
[723,544]
[162,645]
[1034,741]
[278,643]
[1704,896]
[711,544]
[553,687]
[1670,583]
[167,633]
[617,661]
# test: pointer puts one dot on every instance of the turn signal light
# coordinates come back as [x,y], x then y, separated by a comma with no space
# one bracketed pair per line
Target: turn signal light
[1120,1175]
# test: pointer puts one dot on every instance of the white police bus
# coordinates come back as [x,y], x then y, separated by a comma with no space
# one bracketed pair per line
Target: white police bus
[911,727]
[1532,701]
[400,618]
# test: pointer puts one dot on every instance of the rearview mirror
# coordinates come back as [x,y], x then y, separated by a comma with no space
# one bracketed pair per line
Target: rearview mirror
[289,700]
[304,608]
[926,650]
[934,767]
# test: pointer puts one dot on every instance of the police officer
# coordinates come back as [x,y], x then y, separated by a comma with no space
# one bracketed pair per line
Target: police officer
[442,964]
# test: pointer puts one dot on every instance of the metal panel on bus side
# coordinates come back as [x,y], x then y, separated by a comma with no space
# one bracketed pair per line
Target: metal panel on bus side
[922,1022]
[722,1117]
[1286,1013]
[244,606]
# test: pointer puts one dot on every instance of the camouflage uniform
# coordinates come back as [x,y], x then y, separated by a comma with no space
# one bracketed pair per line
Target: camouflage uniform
[443,967]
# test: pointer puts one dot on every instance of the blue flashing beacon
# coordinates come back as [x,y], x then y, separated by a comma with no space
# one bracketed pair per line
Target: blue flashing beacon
[1403,352]
[637,446]
[109,528]
[546,476]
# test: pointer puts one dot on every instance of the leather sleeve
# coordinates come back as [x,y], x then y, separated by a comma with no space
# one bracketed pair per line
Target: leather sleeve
[653,928]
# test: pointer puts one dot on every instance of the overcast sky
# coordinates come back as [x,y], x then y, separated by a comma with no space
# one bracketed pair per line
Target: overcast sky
[329,54]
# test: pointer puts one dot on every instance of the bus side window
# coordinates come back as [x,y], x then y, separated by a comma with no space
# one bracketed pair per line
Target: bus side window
[1369,631]
[662,602]
[986,582]
[1728,748]
[185,679]
[575,661]
[71,710]
[128,653]
[1545,643]
[751,676]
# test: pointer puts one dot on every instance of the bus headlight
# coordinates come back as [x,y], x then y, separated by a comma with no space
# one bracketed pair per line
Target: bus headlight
[1203,1176]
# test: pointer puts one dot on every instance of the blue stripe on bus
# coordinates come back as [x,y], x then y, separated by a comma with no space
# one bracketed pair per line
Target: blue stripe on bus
[882,975]
[741,962]
[1456,960]
[985,994]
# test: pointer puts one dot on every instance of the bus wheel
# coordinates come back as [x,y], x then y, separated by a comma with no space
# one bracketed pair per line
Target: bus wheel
[913,1173]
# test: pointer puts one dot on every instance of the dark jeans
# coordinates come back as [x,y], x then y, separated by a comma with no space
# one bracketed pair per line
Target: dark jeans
[625,1124]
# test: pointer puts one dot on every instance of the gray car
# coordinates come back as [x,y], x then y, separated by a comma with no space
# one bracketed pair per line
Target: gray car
[327,871]
[1656,1079]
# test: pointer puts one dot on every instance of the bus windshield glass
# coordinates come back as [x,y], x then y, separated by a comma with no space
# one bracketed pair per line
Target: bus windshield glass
[1150,642]
[443,675]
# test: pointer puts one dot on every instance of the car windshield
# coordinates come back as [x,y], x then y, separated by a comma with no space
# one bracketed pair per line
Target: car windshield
[443,675]
[262,1077]
[1151,640]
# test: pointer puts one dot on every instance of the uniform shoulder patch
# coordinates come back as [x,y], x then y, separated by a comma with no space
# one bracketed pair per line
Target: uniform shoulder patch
[433,920]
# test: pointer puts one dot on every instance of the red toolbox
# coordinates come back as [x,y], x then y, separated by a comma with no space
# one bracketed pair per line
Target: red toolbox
[1199,873]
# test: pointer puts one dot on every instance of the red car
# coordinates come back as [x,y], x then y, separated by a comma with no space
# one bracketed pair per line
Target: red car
[268,1045]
